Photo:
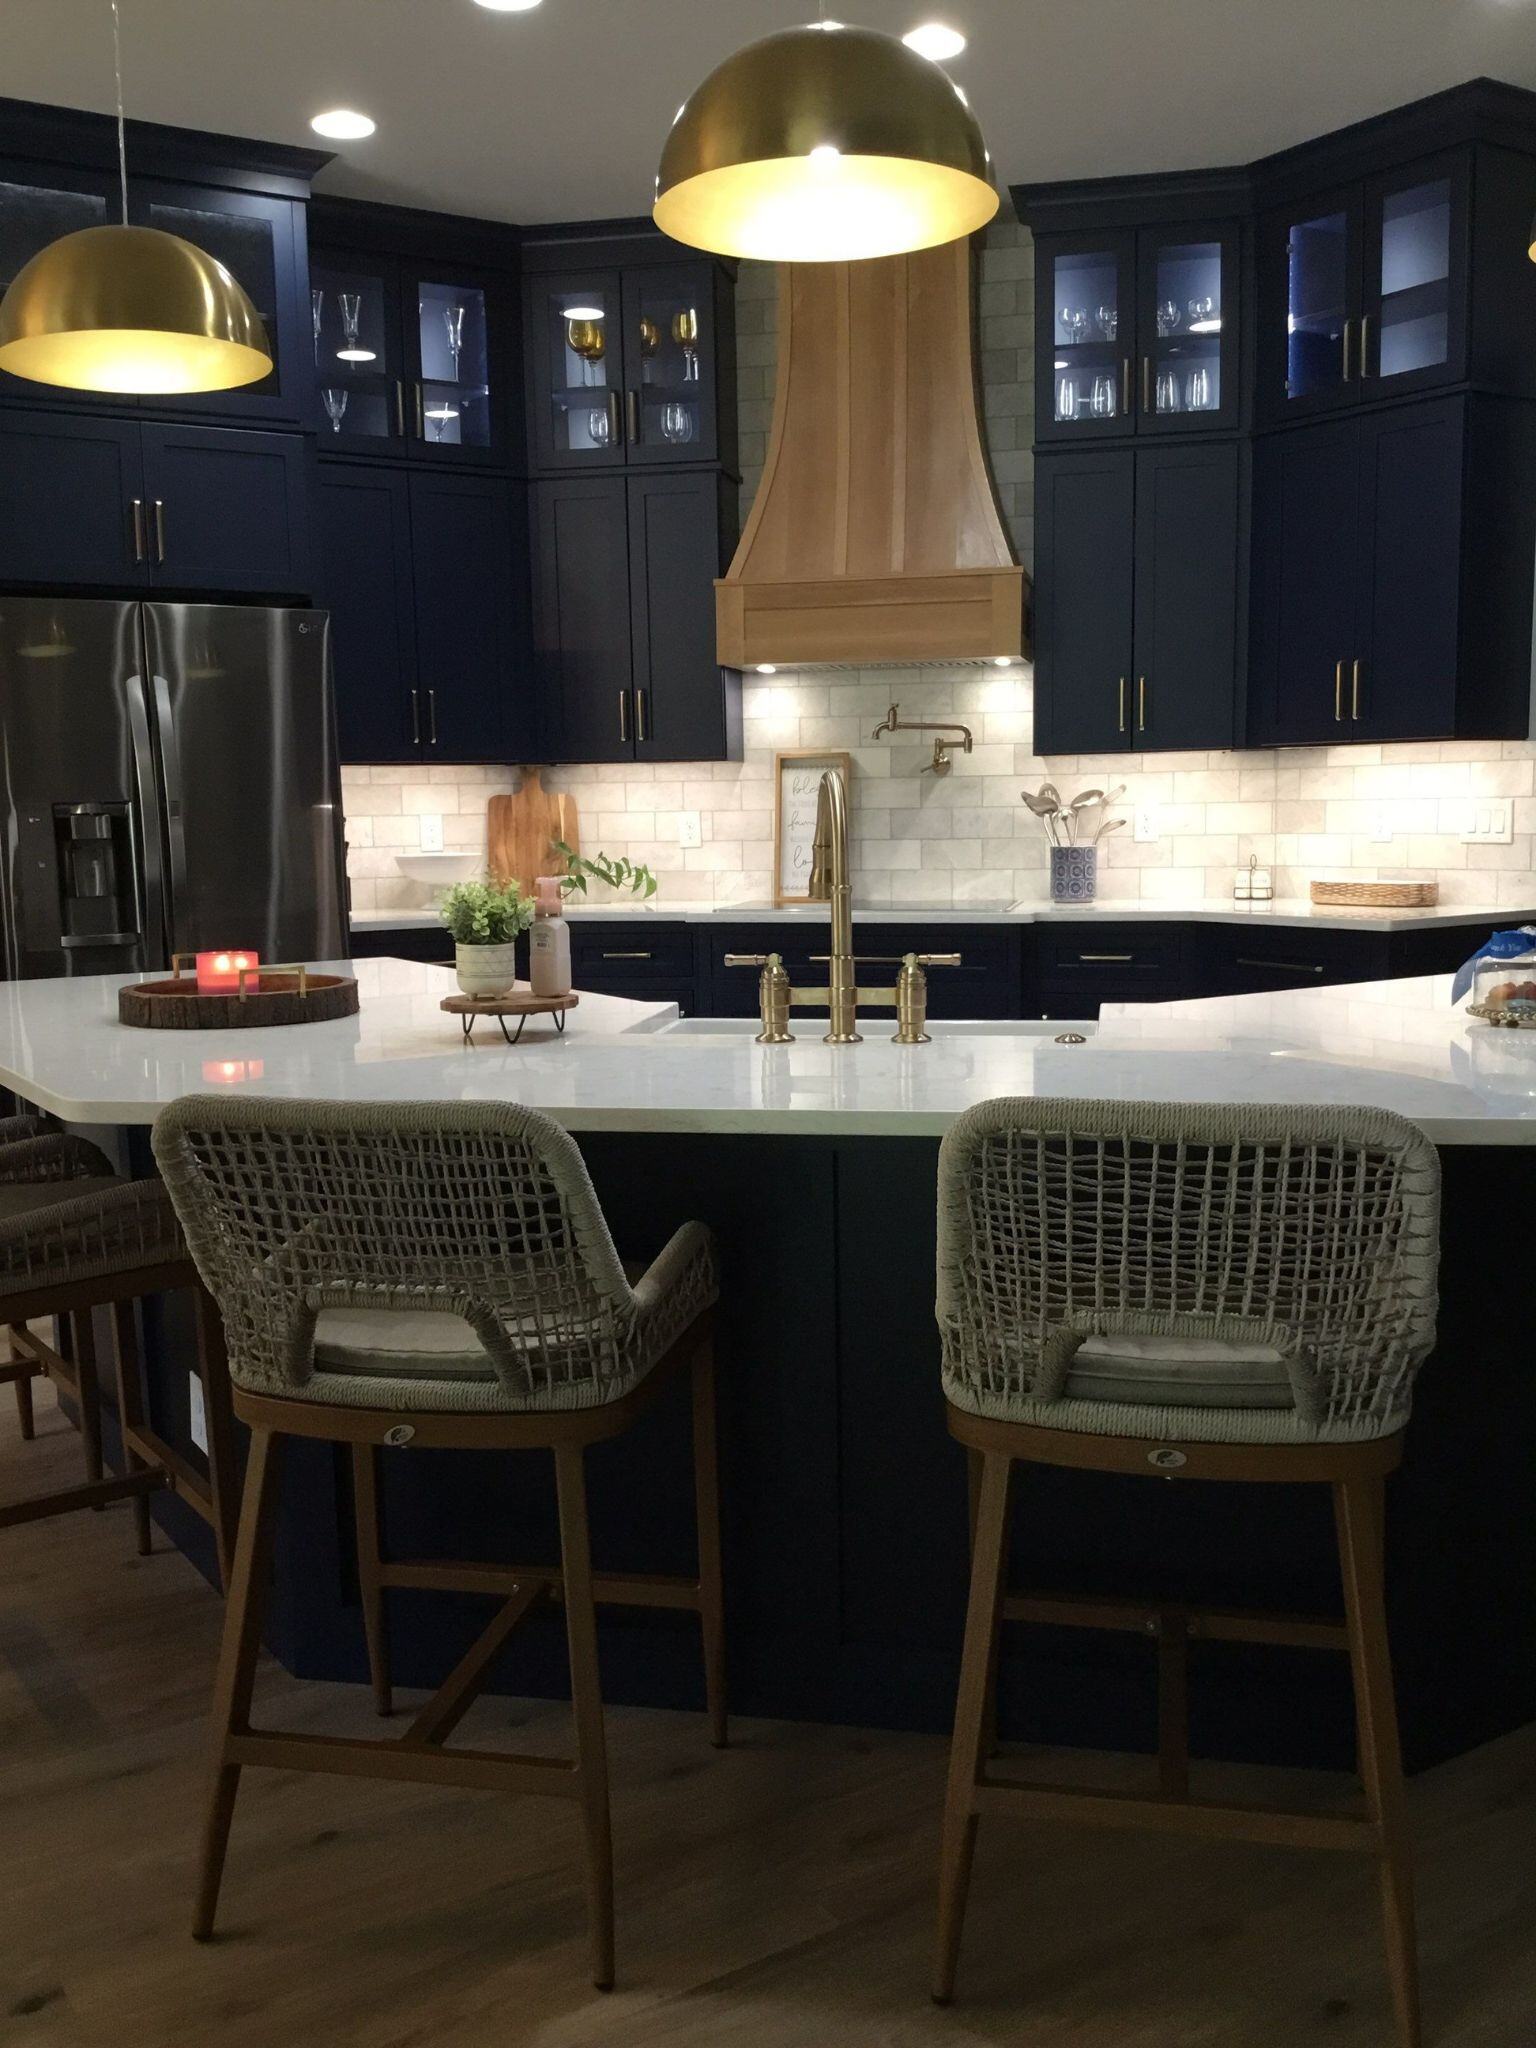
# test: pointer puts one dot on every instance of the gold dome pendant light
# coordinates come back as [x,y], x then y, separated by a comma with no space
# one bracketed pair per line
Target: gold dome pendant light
[130,310]
[824,144]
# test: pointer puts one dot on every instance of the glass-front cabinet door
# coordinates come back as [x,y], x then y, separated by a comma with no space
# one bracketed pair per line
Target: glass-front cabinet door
[1413,313]
[31,216]
[1186,323]
[669,366]
[258,242]
[1086,349]
[575,343]
[359,371]
[452,396]
[1310,294]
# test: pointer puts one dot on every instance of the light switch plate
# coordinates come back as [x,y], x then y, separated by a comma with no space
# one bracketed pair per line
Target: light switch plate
[1490,822]
[197,1413]
[1381,823]
[432,834]
[690,828]
[1145,828]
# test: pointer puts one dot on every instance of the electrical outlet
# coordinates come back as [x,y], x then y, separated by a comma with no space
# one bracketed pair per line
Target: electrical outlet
[1145,827]
[690,829]
[1381,823]
[431,834]
[1490,822]
[197,1413]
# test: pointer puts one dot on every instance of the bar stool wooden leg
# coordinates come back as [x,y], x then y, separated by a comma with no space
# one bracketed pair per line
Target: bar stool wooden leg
[218,1415]
[587,1700]
[238,1652]
[978,1672]
[1359,1506]
[706,1483]
[130,1407]
[973,1462]
[365,1504]
[23,1386]
[88,1392]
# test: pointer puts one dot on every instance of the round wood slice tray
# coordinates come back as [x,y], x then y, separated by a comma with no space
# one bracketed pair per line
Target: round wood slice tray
[275,999]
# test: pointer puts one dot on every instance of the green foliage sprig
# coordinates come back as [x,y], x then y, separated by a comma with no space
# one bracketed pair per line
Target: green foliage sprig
[618,874]
[482,914]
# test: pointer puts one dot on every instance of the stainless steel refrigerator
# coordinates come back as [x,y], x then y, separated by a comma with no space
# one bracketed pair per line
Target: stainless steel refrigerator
[170,784]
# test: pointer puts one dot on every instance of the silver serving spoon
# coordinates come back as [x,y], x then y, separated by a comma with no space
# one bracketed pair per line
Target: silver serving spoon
[1047,810]
[1109,825]
[1083,801]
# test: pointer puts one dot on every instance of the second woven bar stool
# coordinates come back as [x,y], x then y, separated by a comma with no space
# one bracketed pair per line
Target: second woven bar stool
[439,1276]
[1186,1292]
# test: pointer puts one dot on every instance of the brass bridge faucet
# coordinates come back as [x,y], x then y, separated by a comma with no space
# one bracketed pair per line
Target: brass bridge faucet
[842,995]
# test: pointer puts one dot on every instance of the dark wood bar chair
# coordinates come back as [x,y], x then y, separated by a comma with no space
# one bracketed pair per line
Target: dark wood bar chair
[1183,1292]
[74,1237]
[437,1276]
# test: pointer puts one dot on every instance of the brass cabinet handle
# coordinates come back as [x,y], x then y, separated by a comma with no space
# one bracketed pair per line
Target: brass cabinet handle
[1125,386]
[615,416]
[1365,329]
[1354,688]
[139,549]
[432,718]
[1347,325]
[159,530]
[1141,703]
[1338,693]
[624,718]
[1282,966]
[632,400]
[415,718]
[1146,384]
[1119,958]
[1122,703]
[626,956]
[400,408]
[640,732]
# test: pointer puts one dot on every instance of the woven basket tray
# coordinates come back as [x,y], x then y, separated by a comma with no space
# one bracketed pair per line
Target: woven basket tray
[1378,895]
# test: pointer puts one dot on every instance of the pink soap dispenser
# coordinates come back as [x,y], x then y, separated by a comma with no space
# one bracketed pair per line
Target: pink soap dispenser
[549,941]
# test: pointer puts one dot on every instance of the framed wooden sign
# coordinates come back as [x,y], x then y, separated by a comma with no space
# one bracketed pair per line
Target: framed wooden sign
[797,781]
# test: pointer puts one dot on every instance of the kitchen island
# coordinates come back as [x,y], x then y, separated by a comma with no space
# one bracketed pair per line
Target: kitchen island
[844,1498]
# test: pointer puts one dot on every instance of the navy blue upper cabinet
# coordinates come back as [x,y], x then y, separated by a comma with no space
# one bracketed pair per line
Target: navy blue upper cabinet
[1305,521]
[583,639]
[625,358]
[364,579]
[72,501]
[1138,331]
[1085,555]
[411,359]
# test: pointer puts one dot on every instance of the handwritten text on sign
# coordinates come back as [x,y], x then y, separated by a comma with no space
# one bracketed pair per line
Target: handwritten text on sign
[799,788]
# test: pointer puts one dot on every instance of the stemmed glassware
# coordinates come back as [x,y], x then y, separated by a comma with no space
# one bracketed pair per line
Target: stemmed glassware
[1202,316]
[317,312]
[1169,318]
[650,341]
[352,350]
[685,332]
[1108,318]
[453,320]
[1074,323]
[335,406]
[599,426]
[677,422]
[587,341]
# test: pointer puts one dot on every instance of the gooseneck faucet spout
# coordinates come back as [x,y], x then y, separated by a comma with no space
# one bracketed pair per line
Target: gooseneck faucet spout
[829,884]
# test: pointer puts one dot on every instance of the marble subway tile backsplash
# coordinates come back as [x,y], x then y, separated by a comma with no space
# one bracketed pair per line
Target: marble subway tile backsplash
[918,838]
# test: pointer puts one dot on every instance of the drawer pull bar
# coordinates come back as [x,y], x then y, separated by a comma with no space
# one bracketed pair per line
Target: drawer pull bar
[626,956]
[1281,966]
[1117,957]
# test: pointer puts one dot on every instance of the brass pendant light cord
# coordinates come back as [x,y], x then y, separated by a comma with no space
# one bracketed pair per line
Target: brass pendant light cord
[122,125]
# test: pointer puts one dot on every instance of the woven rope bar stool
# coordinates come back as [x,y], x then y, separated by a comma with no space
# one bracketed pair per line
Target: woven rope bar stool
[436,1276]
[75,1236]
[1186,1292]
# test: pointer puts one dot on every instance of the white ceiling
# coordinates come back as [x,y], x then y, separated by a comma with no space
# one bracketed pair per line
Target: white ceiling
[558,114]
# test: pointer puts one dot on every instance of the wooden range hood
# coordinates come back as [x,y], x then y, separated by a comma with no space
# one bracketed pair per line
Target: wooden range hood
[876,534]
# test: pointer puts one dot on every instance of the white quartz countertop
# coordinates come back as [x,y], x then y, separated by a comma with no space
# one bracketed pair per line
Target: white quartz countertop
[634,1066]
[1478,917]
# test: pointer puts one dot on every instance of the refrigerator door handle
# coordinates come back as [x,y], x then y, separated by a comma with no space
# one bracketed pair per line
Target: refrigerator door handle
[170,779]
[143,823]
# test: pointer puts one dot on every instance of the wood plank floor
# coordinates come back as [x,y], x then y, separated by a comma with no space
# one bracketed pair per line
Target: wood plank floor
[779,1895]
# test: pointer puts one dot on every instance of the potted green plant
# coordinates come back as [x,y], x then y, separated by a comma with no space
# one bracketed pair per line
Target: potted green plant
[485,920]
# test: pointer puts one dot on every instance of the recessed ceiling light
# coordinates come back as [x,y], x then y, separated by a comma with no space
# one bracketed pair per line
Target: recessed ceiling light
[767,668]
[341,124]
[1002,661]
[508,6]
[582,312]
[935,39]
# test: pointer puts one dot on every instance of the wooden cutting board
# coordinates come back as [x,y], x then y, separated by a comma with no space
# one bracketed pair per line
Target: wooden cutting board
[521,830]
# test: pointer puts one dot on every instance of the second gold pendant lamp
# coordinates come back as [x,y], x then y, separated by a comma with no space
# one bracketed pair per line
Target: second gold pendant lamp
[824,143]
[130,309]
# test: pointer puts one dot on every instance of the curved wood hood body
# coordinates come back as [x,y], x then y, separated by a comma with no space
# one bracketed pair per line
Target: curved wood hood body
[876,533]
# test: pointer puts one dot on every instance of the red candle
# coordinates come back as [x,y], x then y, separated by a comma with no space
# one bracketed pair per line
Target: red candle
[218,974]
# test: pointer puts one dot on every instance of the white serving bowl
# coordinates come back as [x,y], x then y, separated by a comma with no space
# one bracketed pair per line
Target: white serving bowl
[438,870]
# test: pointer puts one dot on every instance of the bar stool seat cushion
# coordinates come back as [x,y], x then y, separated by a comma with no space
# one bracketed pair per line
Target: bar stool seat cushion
[417,1344]
[1199,1371]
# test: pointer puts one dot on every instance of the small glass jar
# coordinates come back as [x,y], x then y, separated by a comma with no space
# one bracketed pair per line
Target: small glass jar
[1504,987]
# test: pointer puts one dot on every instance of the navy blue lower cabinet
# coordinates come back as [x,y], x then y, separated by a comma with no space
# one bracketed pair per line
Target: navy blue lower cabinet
[1186,605]
[69,486]
[365,581]
[984,983]
[227,511]
[429,943]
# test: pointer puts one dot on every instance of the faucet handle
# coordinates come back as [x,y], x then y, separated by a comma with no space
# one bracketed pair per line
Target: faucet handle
[938,959]
[747,959]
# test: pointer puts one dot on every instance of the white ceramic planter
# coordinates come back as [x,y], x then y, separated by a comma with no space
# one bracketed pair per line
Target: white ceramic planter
[486,970]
